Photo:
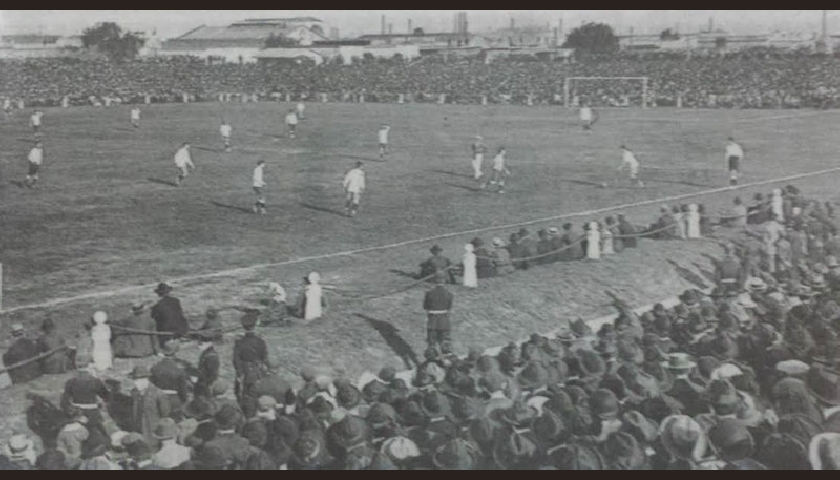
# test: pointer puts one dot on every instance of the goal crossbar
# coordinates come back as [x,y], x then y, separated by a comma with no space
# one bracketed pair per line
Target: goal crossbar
[568,81]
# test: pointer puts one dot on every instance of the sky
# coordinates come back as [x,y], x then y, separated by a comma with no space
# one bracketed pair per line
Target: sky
[171,23]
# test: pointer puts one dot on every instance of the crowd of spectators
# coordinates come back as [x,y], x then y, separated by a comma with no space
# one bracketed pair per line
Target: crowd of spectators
[734,81]
[742,377]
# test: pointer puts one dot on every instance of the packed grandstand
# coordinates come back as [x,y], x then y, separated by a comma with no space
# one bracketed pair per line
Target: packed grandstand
[732,81]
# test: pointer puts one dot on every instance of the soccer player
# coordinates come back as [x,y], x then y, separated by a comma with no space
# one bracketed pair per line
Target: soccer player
[36,158]
[478,150]
[135,117]
[300,108]
[383,140]
[500,171]
[291,122]
[183,161]
[588,116]
[259,185]
[354,185]
[628,158]
[225,130]
[7,107]
[35,122]
[734,155]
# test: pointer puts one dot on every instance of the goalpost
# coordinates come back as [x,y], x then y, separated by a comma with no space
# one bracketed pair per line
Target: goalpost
[568,85]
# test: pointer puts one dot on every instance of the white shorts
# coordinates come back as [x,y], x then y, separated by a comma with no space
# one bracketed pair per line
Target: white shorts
[478,157]
[354,197]
[634,172]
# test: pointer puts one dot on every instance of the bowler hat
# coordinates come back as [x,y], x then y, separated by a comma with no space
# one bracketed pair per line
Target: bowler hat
[165,429]
[435,249]
[435,404]
[604,404]
[210,457]
[163,289]
[140,371]
[534,375]
[350,431]
[226,417]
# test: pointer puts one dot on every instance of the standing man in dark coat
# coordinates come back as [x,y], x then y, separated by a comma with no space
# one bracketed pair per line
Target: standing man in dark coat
[250,357]
[627,231]
[437,304]
[57,362]
[135,345]
[569,239]
[168,315]
[169,376]
[22,349]
[484,267]
[148,404]
[437,263]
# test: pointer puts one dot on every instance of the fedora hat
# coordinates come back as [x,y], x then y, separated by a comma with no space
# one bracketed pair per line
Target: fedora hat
[520,414]
[604,404]
[624,452]
[534,375]
[166,429]
[456,454]
[163,289]
[549,428]
[226,417]
[644,429]
[351,430]
[683,437]
[575,456]
[199,408]
[515,451]
[824,451]
[348,396]
[824,384]
[308,450]
[679,362]
[435,404]
[140,371]
[731,439]
[435,249]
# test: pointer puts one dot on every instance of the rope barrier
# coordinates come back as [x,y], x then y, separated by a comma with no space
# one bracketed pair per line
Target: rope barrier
[23,363]
[167,334]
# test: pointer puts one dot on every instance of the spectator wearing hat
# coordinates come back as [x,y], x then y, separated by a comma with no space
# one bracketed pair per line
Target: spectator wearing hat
[484,266]
[575,456]
[210,457]
[824,451]
[349,438]
[544,248]
[95,452]
[169,376]
[250,357]
[86,392]
[21,350]
[142,455]
[72,435]
[57,362]
[51,460]
[233,446]
[170,455]
[455,454]
[687,392]
[626,233]
[501,257]
[438,428]
[623,451]
[208,362]
[19,453]
[148,404]
[131,344]
[438,303]
[310,452]
[824,386]
[684,440]
[570,241]
[437,263]
[168,315]
[515,451]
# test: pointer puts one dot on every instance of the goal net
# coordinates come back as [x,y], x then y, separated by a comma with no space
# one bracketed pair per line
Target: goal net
[606,91]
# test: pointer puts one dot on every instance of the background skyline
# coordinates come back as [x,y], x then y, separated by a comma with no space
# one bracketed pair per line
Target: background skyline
[170,23]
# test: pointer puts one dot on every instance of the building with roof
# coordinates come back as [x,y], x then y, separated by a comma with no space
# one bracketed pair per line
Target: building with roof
[242,41]
[39,46]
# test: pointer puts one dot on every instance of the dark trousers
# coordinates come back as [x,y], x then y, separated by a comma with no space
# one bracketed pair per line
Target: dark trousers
[435,337]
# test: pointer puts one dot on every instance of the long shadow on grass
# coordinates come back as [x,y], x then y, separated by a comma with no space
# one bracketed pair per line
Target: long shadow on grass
[392,337]
[447,172]
[465,187]
[357,157]
[710,276]
[231,207]
[688,275]
[594,184]
[322,209]
[162,182]
[677,182]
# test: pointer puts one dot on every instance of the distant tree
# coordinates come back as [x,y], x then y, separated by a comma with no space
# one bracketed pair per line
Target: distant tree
[107,38]
[720,42]
[592,38]
[419,31]
[669,34]
[317,29]
[274,41]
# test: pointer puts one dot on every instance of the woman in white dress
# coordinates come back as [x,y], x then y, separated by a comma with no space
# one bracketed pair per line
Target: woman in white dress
[693,221]
[313,297]
[470,275]
[593,242]
[101,336]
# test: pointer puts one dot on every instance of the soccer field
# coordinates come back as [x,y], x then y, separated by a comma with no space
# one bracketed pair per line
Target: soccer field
[105,214]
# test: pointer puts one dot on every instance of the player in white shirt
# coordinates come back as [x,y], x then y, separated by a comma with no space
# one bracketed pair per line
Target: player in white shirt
[291,122]
[35,122]
[183,161]
[734,155]
[478,151]
[354,186]
[7,107]
[135,117]
[300,108]
[383,140]
[628,159]
[225,130]
[259,185]
[36,159]
[588,116]
[500,171]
